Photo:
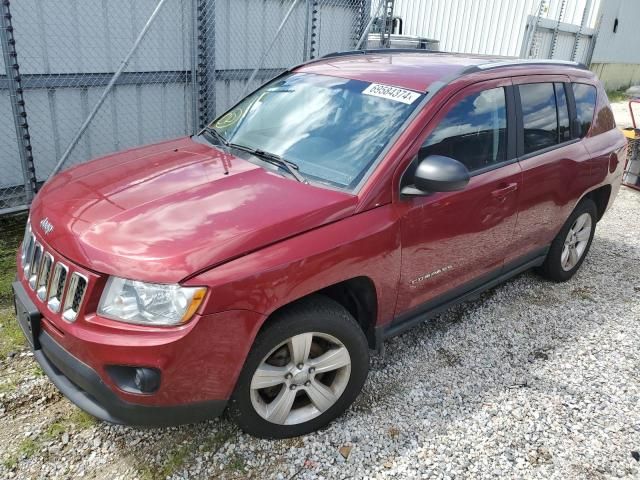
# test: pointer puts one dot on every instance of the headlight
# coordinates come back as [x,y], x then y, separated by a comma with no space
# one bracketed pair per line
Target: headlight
[149,303]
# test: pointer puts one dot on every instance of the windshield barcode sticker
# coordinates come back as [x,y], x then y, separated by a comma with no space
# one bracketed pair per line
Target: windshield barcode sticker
[391,93]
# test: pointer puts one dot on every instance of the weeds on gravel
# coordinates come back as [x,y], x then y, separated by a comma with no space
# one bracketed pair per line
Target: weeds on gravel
[236,463]
[77,420]
[81,420]
[175,460]
[27,448]
[178,457]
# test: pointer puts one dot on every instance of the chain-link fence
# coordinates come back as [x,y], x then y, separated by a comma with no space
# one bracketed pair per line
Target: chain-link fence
[83,78]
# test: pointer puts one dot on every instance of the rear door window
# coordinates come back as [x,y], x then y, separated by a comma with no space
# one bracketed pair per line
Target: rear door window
[585,96]
[539,116]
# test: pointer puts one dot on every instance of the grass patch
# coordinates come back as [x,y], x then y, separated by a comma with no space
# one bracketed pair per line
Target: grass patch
[174,461]
[178,456]
[81,420]
[617,95]
[8,385]
[11,232]
[10,462]
[11,336]
[236,463]
[54,430]
[77,420]
[28,447]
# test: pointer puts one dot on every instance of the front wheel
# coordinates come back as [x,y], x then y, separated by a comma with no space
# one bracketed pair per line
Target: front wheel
[305,369]
[571,245]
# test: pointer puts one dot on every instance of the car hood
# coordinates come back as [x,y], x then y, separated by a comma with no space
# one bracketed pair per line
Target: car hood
[164,212]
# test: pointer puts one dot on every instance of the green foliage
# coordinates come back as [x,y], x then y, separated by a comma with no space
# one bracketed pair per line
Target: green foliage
[617,96]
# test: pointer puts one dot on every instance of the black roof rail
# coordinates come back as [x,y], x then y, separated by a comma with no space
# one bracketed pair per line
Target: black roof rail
[526,62]
[494,62]
[385,50]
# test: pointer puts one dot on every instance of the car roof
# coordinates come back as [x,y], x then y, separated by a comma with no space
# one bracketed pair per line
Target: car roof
[415,69]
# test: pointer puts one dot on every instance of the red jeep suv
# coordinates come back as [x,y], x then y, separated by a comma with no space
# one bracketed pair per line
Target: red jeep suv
[253,267]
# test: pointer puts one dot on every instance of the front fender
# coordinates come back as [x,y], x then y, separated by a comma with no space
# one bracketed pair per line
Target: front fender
[366,244]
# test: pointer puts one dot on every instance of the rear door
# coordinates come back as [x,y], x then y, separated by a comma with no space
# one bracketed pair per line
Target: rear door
[555,165]
[453,240]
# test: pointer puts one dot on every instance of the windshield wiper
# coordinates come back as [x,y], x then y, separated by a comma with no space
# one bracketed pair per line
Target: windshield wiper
[291,167]
[216,134]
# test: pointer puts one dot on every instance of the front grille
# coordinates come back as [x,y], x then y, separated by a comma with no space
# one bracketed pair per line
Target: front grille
[49,278]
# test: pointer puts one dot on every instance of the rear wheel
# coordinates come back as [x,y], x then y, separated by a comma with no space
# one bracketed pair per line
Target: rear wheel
[305,369]
[571,245]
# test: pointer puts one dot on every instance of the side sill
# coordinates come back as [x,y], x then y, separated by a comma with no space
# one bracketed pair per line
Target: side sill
[461,294]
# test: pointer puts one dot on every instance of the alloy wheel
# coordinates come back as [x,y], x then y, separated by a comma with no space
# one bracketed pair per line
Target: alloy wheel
[301,378]
[576,242]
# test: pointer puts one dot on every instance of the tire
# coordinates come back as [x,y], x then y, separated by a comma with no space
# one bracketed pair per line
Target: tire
[560,265]
[332,337]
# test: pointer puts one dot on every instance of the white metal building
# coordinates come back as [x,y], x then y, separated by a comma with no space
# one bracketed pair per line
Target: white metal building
[494,27]
[616,57]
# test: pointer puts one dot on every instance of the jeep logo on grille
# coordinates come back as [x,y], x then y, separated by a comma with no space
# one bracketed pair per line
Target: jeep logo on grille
[46,226]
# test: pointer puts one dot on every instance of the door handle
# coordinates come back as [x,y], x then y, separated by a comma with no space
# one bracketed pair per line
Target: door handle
[504,190]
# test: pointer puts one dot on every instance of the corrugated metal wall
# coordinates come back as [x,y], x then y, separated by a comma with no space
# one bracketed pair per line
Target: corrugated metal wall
[494,27]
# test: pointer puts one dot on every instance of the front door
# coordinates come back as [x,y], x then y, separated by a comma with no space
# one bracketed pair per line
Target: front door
[453,240]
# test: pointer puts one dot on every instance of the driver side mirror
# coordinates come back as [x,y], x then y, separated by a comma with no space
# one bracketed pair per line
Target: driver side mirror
[436,173]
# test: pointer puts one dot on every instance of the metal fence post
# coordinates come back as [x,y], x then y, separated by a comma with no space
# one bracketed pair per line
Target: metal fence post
[194,49]
[311,30]
[107,89]
[266,51]
[583,24]
[204,81]
[364,11]
[365,33]
[12,69]
[556,31]
[529,44]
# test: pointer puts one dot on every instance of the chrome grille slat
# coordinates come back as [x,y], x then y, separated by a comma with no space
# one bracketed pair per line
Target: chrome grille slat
[34,268]
[28,255]
[25,242]
[56,287]
[44,276]
[74,296]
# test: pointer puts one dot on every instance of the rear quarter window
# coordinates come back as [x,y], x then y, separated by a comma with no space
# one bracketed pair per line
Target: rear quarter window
[585,96]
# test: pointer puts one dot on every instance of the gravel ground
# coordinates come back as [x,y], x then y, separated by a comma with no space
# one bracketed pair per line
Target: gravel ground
[622,114]
[533,380]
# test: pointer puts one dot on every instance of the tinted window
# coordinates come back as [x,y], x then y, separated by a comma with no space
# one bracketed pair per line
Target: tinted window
[585,96]
[564,132]
[473,132]
[539,116]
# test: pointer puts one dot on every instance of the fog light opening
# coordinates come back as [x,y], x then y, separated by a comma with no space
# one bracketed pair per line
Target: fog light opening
[135,379]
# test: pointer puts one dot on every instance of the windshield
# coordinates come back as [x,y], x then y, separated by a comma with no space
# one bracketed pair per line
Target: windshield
[333,129]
